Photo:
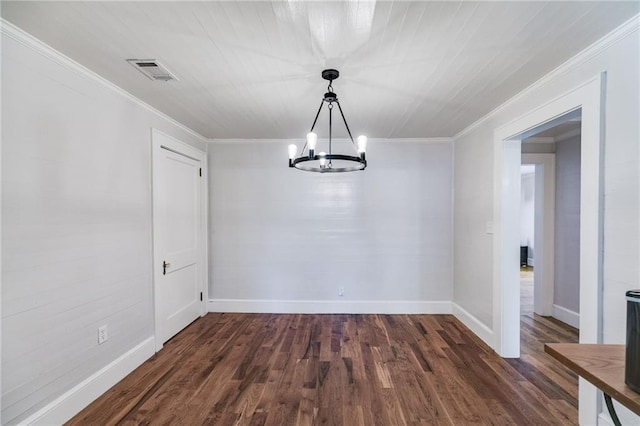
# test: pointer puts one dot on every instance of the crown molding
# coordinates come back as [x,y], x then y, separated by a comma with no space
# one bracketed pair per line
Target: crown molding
[624,30]
[9,30]
[413,140]
[239,141]
[298,140]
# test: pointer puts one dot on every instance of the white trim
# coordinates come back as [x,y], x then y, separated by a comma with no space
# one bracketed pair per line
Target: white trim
[506,240]
[566,316]
[329,306]
[205,228]
[530,261]
[627,28]
[589,97]
[413,140]
[300,140]
[183,148]
[75,399]
[179,147]
[26,39]
[544,231]
[1,210]
[474,324]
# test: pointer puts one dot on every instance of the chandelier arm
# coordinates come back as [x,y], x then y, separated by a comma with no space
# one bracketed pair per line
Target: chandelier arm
[345,123]
[316,119]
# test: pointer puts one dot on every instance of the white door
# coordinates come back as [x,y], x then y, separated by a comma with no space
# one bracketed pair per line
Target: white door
[178,235]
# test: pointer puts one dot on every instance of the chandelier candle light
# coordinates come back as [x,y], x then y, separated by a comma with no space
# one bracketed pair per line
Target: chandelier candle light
[329,162]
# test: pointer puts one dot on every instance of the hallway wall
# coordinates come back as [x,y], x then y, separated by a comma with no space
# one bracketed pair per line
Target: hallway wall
[567,220]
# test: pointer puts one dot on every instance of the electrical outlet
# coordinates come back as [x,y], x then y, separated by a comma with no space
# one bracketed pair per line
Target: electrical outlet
[102,334]
[340,291]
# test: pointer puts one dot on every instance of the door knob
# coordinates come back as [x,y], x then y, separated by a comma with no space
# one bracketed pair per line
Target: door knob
[165,265]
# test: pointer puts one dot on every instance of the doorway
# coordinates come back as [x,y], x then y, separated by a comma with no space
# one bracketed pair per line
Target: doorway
[179,235]
[539,234]
[549,240]
[550,219]
[588,98]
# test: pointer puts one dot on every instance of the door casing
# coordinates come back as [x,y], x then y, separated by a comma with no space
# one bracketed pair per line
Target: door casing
[589,97]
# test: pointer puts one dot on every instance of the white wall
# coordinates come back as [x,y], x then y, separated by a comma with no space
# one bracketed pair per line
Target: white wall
[567,235]
[280,234]
[473,183]
[527,210]
[538,147]
[76,224]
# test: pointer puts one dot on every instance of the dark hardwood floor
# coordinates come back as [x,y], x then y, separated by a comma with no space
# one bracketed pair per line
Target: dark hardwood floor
[255,369]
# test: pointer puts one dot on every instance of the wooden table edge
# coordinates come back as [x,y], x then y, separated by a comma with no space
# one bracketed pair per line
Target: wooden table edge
[551,349]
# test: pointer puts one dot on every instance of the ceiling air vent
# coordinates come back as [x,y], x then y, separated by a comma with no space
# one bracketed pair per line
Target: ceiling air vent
[152,69]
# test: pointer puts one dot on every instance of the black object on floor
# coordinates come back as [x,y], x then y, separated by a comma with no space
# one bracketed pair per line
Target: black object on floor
[524,255]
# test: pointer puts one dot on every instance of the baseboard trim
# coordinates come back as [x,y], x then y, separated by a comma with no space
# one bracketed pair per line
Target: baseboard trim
[566,316]
[329,306]
[530,261]
[474,324]
[74,400]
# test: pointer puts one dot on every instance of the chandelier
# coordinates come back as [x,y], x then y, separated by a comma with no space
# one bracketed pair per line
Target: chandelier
[328,162]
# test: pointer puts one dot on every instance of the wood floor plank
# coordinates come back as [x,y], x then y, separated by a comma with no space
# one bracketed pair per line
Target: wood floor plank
[267,369]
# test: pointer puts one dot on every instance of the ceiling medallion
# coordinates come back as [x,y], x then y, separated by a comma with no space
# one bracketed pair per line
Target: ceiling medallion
[328,162]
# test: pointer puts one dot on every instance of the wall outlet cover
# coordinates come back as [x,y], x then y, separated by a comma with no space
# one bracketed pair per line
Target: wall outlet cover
[102,334]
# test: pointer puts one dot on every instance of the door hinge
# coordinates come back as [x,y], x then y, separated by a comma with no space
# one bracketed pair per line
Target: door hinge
[200,172]
[201,296]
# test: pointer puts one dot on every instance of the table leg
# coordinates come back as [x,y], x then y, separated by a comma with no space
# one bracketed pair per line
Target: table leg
[612,410]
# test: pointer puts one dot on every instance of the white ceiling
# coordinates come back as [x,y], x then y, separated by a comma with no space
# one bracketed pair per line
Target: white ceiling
[252,69]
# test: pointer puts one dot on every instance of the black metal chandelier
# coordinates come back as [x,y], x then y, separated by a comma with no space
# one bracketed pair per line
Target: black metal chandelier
[328,162]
